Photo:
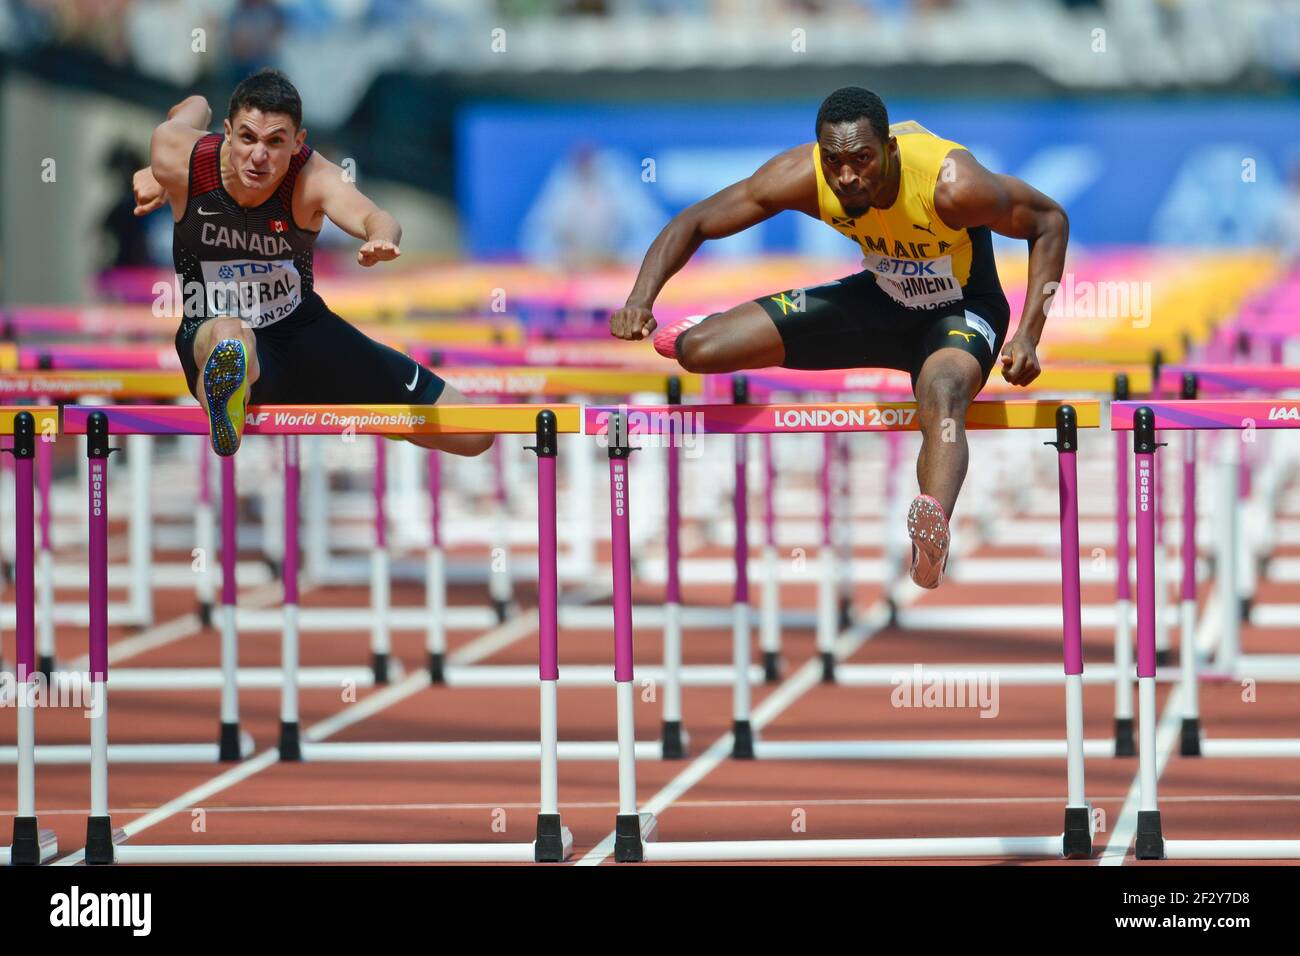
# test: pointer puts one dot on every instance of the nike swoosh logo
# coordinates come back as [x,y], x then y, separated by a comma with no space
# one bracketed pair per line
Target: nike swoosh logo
[204,212]
[411,387]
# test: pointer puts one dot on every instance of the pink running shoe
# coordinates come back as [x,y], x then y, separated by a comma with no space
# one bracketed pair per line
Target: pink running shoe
[665,340]
[928,526]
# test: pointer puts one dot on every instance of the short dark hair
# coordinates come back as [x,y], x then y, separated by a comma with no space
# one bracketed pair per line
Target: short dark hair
[850,103]
[270,91]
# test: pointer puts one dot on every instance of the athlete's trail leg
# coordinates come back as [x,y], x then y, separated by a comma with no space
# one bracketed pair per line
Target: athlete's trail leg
[467,445]
[740,338]
[949,380]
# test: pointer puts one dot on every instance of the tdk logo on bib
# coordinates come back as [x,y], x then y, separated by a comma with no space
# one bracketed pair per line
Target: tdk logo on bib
[914,283]
[905,267]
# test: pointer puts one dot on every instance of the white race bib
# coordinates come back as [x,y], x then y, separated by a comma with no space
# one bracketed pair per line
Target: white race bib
[914,283]
[260,293]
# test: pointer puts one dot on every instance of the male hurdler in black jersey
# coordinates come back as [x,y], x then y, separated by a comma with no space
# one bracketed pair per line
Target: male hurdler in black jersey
[248,204]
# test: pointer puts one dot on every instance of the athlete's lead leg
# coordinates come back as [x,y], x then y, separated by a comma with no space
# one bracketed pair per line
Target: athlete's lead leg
[740,338]
[949,379]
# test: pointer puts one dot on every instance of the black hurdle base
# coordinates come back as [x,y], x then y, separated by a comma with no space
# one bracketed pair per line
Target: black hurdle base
[1125,745]
[549,847]
[1076,844]
[743,747]
[228,744]
[771,667]
[1246,604]
[1190,738]
[1166,657]
[627,839]
[26,847]
[99,841]
[502,609]
[846,613]
[290,741]
[45,667]
[1150,843]
[437,663]
[674,740]
[828,667]
[379,665]
[205,613]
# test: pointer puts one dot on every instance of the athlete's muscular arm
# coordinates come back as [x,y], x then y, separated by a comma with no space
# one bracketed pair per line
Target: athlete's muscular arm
[786,181]
[166,178]
[973,196]
[324,190]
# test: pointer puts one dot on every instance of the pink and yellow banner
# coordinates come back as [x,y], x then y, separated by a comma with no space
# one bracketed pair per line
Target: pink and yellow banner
[1226,379]
[329,419]
[47,418]
[1190,416]
[75,384]
[830,417]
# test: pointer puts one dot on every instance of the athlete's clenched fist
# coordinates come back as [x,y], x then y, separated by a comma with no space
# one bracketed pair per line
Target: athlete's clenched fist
[633,323]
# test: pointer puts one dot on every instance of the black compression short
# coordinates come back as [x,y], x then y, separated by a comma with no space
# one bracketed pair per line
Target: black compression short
[852,323]
[313,357]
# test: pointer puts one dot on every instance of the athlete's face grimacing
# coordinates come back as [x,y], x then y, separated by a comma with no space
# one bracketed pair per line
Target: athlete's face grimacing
[856,164]
[261,145]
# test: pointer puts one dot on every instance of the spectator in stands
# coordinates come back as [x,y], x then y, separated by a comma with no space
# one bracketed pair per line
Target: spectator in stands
[253,31]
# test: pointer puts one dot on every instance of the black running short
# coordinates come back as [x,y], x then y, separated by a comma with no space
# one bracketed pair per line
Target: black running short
[853,323]
[313,357]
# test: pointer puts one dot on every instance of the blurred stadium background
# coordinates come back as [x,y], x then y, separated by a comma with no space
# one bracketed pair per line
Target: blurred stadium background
[564,133]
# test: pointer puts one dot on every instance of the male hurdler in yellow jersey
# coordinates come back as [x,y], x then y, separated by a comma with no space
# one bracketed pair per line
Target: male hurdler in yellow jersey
[921,211]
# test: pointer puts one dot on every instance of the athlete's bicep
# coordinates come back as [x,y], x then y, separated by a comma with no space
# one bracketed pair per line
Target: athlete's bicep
[972,196]
[784,182]
[325,189]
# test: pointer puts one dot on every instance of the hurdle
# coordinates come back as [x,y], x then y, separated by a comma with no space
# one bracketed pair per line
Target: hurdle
[144,572]
[1143,418]
[635,832]
[30,844]
[553,841]
[1234,553]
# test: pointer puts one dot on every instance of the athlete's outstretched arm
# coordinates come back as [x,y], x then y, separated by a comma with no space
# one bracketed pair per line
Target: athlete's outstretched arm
[167,175]
[973,196]
[786,181]
[328,191]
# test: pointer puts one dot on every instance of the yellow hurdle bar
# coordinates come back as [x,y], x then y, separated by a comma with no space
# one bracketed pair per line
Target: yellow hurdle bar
[79,382]
[527,380]
[47,418]
[1095,381]
[329,419]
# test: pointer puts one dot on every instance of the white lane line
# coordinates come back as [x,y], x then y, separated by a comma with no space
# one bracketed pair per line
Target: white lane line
[720,805]
[475,650]
[799,683]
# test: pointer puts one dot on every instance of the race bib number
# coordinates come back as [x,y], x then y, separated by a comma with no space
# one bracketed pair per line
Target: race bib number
[260,293]
[915,283]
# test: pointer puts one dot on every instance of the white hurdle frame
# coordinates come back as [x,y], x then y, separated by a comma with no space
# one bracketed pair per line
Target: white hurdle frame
[104,845]
[636,832]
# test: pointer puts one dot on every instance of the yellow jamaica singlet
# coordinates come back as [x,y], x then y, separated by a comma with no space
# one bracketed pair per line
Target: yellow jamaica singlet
[917,260]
